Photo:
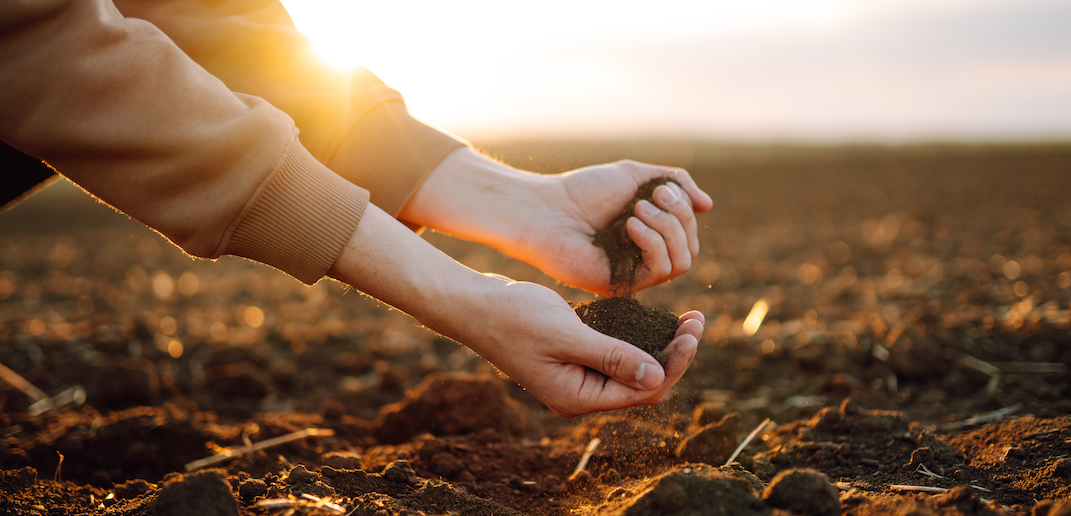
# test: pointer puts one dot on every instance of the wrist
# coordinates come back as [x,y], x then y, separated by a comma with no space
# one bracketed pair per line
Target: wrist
[473,197]
[387,261]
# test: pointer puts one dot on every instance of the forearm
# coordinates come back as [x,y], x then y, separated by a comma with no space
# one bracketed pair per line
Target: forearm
[386,260]
[473,197]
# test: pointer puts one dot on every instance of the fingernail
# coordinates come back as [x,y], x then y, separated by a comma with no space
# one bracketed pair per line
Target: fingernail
[648,209]
[648,376]
[670,194]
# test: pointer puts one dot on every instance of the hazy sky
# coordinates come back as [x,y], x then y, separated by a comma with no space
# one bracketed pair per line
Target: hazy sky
[823,70]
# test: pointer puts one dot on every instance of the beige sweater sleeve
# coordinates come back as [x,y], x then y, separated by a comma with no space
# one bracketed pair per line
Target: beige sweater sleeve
[117,108]
[350,122]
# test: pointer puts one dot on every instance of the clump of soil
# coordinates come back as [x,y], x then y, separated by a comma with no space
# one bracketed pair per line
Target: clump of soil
[650,329]
[685,490]
[624,318]
[803,491]
[625,256]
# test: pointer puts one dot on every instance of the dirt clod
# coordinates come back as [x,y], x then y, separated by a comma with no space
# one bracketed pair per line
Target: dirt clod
[712,444]
[625,256]
[624,318]
[343,460]
[803,491]
[200,494]
[451,404]
[691,489]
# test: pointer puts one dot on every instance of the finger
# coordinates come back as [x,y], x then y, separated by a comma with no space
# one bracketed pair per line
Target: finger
[701,202]
[672,199]
[691,323]
[619,360]
[652,250]
[671,231]
[595,392]
[680,352]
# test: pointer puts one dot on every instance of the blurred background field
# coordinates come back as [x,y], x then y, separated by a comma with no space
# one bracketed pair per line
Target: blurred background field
[932,280]
[895,254]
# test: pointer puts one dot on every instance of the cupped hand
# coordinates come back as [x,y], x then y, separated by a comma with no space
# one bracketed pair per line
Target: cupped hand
[558,238]
[537,339]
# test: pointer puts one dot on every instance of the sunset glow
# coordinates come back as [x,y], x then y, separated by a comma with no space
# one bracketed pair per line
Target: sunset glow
[768,69]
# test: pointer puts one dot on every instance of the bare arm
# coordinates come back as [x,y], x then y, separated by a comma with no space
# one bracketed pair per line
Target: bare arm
[526,330]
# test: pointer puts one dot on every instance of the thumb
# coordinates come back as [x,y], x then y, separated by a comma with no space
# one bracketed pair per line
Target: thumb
[619,360]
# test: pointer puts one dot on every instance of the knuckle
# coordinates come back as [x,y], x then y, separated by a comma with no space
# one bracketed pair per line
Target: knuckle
[613,361]
[661,268]
[682,265]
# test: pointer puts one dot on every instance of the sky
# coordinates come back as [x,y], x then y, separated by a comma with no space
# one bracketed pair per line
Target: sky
[762,70]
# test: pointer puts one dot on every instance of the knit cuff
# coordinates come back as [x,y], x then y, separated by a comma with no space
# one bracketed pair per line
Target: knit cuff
[299,220]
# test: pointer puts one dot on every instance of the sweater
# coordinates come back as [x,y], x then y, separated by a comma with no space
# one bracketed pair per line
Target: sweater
[209,121]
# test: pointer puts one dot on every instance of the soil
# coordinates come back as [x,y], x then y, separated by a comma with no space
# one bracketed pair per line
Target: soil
[622,316]
[913,359]
[648,328]
[625,256]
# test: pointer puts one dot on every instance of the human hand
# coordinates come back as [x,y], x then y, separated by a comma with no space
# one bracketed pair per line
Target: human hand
[526,330]
[535,337]
[558,240]
[549,220]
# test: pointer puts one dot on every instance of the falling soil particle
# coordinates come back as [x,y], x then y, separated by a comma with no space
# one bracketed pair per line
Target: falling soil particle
[625,256]
[650,329]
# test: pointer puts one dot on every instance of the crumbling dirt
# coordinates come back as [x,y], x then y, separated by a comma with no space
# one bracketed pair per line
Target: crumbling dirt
[624,255]
[624,318]
[915,353]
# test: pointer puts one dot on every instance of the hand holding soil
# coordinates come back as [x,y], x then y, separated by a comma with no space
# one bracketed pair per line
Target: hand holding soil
[548,220]
[542,345]
[661,227]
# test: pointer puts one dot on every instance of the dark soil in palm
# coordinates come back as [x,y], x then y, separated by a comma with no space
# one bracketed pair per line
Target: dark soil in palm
[624,318]
[625,256]
[928,284]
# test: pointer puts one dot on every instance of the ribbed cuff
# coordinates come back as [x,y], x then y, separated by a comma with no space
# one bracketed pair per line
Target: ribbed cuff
[390,153]
[299,220]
